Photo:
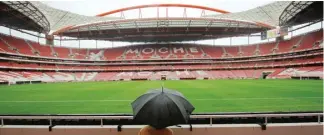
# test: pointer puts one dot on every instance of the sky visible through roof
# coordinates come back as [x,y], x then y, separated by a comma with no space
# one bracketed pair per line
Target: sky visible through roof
[94,7]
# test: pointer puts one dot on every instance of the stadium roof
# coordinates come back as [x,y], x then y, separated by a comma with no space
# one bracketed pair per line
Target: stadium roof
[267,14]
[59,18]
[23,15]
[43,18]
[298,12]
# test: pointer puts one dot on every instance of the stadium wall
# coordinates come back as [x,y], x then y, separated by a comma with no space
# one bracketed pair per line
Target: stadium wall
[226,129]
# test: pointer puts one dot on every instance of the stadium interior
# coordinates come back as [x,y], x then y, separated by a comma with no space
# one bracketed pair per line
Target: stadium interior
[161,54]
[299,57]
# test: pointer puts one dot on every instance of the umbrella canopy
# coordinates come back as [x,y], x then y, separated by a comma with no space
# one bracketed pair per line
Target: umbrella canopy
[161,108]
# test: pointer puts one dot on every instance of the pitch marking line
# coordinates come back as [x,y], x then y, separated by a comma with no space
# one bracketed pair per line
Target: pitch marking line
[262,98]
[82,101]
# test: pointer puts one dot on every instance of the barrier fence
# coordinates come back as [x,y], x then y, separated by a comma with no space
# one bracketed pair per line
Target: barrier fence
[265,117]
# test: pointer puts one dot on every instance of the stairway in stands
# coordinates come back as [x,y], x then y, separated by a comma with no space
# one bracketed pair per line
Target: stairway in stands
[275,73]
[297,45]
[53,51]
[36,52]
[9,48]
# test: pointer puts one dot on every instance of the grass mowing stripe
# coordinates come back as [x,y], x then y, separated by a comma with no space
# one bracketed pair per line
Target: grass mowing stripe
[116,100]
[274,98]
[205,95]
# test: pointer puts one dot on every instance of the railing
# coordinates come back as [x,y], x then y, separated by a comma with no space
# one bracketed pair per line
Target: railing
[206,61]
[266,116]
[170,59]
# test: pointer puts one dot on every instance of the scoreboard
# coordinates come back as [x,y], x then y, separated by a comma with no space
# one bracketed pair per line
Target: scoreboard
[274,33]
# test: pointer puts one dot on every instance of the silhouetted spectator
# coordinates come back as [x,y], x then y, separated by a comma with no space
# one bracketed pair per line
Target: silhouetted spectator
[148,130]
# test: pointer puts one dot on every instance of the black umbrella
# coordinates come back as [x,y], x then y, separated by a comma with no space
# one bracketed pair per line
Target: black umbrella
[161,108]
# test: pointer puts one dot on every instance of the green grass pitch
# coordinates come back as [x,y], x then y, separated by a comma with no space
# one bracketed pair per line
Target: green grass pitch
[207,96]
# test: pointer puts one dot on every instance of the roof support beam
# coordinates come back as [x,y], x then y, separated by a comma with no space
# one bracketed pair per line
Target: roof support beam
[228,25]
[98,29]
[209,24]
[136,26]
[202,13]
[237,26]
[89,31]
[117,28]
[122,15]
[79,32]
[139,13]
[187,30]
[184,13]
[157,12]
[19,5]
[249,30]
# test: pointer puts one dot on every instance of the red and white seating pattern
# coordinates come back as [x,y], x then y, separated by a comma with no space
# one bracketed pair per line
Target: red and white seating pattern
[243,70]
[46,76]
[314,71]
[301,72]
[316,59]
[162,51]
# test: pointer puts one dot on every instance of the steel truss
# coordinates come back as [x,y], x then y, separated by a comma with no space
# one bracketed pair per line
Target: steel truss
[292,10]
[29,10]
[153,27]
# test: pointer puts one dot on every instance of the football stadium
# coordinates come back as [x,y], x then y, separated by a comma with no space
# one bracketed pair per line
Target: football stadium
[255,71]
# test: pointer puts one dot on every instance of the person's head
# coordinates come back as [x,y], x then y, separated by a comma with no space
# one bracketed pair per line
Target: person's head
[149,130]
